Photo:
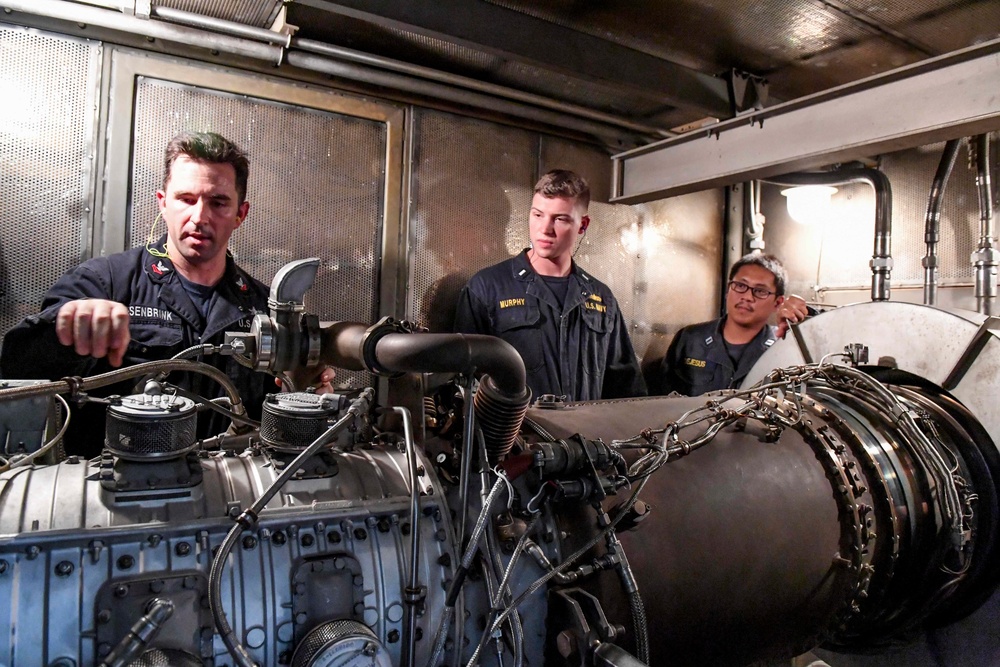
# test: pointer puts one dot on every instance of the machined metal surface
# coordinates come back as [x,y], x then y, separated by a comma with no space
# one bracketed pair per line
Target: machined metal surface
[319,549]
[955,350]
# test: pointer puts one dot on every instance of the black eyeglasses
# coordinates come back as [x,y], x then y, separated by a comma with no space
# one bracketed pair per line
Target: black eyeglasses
[741,288]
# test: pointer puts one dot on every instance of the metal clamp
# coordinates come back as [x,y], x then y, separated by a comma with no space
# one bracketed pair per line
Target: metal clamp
[370,339]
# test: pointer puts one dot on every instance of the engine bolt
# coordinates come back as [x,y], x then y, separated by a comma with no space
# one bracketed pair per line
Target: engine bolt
[249,542]
[383,525]
[121,590]
[333,537]
[182,549]
[103,616]
[393,636]
[126,562]
[360,533]
[64,568]
[307,540]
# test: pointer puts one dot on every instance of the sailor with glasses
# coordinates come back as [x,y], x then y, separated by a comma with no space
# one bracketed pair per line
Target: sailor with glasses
[718,354]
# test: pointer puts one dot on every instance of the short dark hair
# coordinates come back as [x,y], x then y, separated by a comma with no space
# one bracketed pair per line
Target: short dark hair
[769,262]
[564,183]
[208,147]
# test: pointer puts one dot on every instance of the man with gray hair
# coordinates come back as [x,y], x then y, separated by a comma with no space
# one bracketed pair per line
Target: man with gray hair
[718,354]
[565,323]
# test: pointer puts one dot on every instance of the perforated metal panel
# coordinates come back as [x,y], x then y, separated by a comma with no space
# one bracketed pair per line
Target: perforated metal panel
[470,196]
[911,173]
[46,147]
[315,190]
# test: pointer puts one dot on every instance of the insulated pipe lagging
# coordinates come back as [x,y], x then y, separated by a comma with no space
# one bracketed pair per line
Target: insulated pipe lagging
[881,262]
[932,223]
[986,258]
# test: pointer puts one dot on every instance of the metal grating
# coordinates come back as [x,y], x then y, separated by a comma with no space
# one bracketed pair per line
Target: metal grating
[260,13]
[46,144]
[316,188]
[470,196]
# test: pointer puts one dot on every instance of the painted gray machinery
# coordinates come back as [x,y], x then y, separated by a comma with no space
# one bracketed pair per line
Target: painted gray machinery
[837,501]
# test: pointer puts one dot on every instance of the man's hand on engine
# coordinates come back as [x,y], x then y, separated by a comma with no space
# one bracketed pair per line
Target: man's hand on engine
[95,327]
[319,379]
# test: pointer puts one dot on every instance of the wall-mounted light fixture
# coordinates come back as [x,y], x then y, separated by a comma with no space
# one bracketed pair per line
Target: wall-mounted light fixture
[809,204]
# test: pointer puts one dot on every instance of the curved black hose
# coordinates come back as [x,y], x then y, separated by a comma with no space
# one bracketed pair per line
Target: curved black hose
[455,353]
[505,395]
[932,222]
[881,262]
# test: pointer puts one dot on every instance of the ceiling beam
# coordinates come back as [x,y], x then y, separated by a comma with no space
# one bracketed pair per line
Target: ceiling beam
[947,97]
[525,39]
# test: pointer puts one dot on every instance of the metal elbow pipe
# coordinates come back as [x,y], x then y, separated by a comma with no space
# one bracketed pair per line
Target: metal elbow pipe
[503,395]
[430,353]
[932,223]
[881,262]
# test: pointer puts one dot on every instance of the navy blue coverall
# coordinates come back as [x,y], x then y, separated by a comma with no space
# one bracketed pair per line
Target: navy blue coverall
[697,360]
[162,322]
[582,351]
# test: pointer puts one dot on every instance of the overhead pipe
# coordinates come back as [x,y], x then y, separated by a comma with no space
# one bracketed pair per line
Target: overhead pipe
[932,222]
[440,91]
[74,13]
[986,258]
[472,84]
[380,62]
[261,44]
[222,25]
[881,262]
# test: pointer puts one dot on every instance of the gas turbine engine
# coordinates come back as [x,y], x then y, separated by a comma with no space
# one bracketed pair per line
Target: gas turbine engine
[820,506]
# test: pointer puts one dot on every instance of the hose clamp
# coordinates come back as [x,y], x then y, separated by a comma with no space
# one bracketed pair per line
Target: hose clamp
[370,339]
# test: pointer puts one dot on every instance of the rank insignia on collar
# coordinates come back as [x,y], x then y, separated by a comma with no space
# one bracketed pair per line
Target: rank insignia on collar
[241,284]
[160,268]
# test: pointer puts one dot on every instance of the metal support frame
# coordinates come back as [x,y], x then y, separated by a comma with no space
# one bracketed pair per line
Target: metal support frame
[937,99]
